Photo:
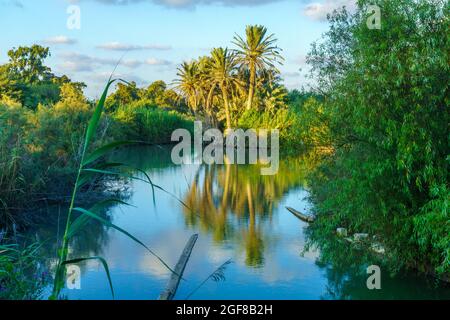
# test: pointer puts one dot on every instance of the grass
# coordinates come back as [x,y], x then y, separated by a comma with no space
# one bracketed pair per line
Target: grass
[20,275]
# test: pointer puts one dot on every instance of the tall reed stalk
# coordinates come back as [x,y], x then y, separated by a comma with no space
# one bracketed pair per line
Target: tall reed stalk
[88,168]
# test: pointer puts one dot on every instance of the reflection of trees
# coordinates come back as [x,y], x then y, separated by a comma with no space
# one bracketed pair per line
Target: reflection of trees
[232,201]
[145,157]
[346,265]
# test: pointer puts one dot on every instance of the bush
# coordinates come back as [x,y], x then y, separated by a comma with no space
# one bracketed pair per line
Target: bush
[21,277]
[387,115]
[13,157]
[39,151]
[286,120]
[148,124]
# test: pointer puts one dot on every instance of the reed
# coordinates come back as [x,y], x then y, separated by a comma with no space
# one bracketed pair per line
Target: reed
[89,167]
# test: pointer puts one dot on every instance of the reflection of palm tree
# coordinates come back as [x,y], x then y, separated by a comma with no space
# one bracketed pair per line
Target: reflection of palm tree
[253,241]
[227,198]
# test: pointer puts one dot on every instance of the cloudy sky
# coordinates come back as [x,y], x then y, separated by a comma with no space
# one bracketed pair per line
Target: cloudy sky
[154,36]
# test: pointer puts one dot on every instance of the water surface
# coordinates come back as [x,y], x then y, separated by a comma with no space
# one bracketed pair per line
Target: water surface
[239,216]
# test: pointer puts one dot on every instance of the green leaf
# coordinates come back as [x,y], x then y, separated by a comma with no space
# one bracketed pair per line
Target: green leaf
[83,219]
[93,123]
[105,266]
[160,188]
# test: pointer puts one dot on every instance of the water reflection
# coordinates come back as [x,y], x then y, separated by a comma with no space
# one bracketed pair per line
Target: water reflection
[234,202]
[240,215]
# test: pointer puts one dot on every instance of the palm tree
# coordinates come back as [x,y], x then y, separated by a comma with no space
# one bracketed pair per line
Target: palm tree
[187,83]
[221,75]
[257,53]
[204,89]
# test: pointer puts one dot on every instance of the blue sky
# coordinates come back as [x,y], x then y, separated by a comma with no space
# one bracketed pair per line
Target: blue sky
[156,35]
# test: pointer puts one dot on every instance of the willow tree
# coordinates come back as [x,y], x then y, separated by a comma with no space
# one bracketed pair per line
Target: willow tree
[257,53]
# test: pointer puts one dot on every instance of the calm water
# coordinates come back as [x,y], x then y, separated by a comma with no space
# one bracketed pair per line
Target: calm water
[239,215]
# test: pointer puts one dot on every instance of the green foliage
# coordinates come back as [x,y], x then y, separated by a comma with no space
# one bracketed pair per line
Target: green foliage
[219,86]
[39,151]
[285,120]
[155,95]
[20,275]
[302,124]
[125,93]
[386,111]
[13,125]
[257,53]
[27,80]
[27,64]
[148,124]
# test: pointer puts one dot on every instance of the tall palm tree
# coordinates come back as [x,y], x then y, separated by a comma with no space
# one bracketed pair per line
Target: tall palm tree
[187,83]
[204,89]
[222,76]
[257,53]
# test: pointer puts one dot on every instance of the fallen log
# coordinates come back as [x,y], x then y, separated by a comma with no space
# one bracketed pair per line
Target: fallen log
[301,216]
[172,285]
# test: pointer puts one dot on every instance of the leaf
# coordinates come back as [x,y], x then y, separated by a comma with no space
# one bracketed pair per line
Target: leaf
[160,188]
[81,220]
[93,123]
[110,224]
[104,263]
[216,276]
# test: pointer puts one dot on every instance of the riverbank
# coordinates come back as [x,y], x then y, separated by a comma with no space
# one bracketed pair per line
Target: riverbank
[40,150]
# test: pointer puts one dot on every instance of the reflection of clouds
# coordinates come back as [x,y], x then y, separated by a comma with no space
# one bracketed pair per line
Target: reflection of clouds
[297,249]
[218,255]
[168,244]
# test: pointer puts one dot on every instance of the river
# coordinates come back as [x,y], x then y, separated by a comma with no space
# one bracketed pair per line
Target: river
[240,217]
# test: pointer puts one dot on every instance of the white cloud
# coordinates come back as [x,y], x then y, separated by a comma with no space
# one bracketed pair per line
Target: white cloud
[60,40]
[76,62]
[102,77]
[157,62]
[319,10]
[117,46]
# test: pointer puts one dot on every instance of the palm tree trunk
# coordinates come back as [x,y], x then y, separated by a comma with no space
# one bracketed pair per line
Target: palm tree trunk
[251,90]
[227,107]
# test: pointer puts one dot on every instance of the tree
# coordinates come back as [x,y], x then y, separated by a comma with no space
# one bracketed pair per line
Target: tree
[124,94]
[256,53]
[187,83]
[71,92]
[386,104]
[155,92]
[27,64]
[27,80]
[222,75]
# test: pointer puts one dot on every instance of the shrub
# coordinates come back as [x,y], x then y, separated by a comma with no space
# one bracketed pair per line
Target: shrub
[148,124]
